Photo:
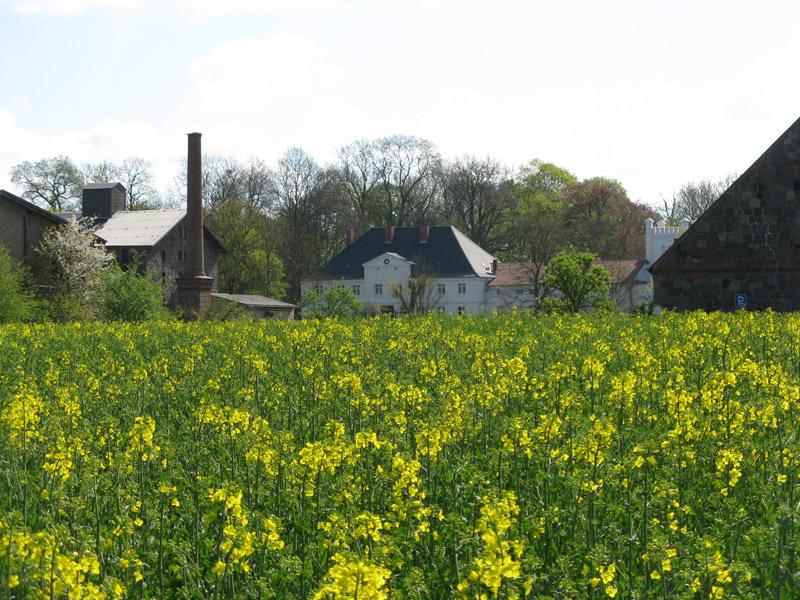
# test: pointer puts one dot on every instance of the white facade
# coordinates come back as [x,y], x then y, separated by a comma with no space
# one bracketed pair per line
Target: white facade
[492,291]
[658,237]
[451,295]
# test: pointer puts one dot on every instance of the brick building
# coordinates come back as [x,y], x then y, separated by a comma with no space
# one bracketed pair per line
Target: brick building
[743,251]
[21,227]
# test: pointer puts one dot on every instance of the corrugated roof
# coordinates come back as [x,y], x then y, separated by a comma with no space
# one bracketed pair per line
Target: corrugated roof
[447,253]
[139,228]
[253,300]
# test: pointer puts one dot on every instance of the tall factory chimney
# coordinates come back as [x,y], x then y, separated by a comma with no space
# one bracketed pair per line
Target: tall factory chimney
[194,286]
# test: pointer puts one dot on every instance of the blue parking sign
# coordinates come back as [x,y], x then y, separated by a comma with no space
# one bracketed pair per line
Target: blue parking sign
[741,301]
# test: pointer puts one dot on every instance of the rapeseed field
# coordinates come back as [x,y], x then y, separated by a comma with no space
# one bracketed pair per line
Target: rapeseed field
[517,456]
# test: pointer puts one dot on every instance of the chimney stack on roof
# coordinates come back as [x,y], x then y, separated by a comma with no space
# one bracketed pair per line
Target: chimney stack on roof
[424,234]
[350,235]
[388,234]
[495,262]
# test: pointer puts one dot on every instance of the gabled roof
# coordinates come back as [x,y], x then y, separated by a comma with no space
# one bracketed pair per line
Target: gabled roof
[56,219]
[520,273]
[447,253]
[143,228]
[139,228]
[253,301]
[393,255]
[751,227]
[622,271]
[513,274]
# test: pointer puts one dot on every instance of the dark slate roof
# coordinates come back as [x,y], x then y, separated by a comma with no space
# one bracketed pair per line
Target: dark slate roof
[56,219]
[103,186]
[447,253]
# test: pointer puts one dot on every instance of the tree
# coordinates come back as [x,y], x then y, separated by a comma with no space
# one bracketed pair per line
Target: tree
[581,283]
[357,172]
[226,178]
[476,194]
[55,182]
[600,218]
[308,213]
[407,170]
[335,301]
[693,199]
[250,263]
[534,229]
[76,265]
[542,179]
[17,301]
[127,295]
[418,296]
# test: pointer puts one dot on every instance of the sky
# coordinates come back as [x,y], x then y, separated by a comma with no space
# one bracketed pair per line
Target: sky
[653,94]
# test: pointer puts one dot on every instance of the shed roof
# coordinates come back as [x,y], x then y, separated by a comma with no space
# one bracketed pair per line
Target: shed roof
[253,300]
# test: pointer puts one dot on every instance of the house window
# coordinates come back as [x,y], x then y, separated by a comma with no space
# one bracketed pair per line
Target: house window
[462,288]
[357,290]
[440,289]
[181,255]
[378,289]
[163,256]
[462,310]
[318,288]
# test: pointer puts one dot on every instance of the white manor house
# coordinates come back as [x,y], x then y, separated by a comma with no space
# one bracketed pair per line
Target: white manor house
[465,278]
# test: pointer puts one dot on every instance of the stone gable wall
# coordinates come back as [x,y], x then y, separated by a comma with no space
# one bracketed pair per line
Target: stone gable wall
[747,242]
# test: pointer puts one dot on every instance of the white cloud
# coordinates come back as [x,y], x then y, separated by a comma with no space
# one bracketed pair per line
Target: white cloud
[107,140]
[71,6]
[205,10]
[201,10]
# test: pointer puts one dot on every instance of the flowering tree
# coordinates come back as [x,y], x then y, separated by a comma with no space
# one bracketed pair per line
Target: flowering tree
[75,260]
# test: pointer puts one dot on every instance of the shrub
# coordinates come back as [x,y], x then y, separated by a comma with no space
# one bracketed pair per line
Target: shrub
[581,283]
[127,295]
[335,301]
[224,311]
[17,301]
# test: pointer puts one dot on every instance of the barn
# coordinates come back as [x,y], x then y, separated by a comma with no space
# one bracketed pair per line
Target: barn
[744,251]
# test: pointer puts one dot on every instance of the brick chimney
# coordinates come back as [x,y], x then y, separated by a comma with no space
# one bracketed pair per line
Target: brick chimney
[424,234]
[388,234]
[101,200]
[194,287]
[495,262]
[350,236]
